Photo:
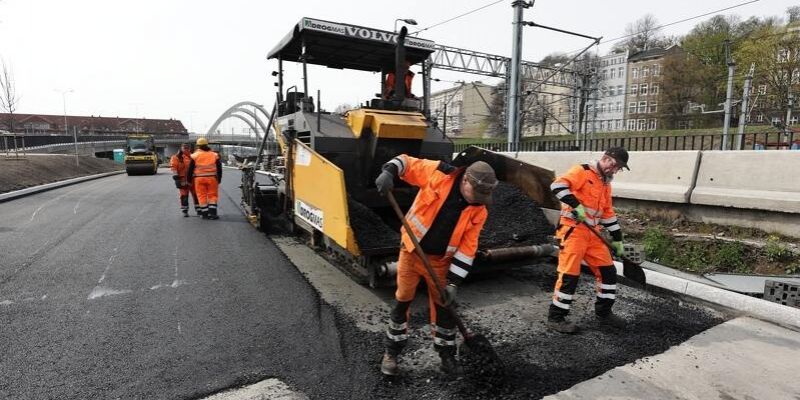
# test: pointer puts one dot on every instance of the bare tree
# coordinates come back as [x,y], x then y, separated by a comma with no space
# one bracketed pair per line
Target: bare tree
[8,94]
[341,109]
[643,34]
[793,13]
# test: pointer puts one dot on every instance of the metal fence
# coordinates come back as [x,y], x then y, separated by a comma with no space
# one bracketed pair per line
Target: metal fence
[750,141]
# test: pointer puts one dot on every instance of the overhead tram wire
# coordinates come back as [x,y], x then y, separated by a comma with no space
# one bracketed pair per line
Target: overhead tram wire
[457,17]
[616,39]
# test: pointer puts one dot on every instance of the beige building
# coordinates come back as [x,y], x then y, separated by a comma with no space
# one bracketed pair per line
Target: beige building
[644,89]
[466,107]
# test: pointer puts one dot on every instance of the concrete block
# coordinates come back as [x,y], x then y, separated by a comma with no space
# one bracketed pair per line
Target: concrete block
[764,180]
[658,175]
[784,293]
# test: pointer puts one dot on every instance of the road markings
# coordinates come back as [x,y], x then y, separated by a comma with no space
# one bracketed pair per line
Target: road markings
[268,389]
[100,291]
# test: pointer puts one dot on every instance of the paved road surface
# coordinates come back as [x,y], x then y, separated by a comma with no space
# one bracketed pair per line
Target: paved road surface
[107,292]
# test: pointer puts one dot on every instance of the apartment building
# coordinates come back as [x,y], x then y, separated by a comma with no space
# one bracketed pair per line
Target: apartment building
[644,80]
[608,112]
[465,107]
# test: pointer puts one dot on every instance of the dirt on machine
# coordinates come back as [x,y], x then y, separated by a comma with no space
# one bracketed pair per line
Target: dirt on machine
[316,170]
[141,157]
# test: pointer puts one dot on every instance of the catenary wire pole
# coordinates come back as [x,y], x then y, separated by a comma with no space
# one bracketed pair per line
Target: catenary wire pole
[513,125]
[729,97]
[743,115]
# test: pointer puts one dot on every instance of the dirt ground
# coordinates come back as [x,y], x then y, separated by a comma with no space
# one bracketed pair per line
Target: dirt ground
[32,170]
[705,248]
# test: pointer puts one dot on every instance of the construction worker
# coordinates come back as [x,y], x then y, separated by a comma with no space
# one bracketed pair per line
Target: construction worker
[206,171]
[179,163]
[446,218]
[585,194]
[388,87]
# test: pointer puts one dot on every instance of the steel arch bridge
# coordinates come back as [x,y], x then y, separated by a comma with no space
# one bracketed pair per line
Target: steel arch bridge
[255,120]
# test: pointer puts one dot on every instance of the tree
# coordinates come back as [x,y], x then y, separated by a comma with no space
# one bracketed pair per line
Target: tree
[643,34]
[341,109]
[793,13]
[9,98]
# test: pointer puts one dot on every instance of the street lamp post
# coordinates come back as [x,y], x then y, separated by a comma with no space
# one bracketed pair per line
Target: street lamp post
[409,21]
[66,131]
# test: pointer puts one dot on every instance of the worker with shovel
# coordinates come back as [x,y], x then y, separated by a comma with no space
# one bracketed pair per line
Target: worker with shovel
[445,220]
[585,194]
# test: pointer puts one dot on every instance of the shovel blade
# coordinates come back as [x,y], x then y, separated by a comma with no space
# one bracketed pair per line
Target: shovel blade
[633,271]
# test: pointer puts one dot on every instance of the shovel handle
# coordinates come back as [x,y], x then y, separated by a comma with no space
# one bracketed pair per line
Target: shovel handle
[427,263]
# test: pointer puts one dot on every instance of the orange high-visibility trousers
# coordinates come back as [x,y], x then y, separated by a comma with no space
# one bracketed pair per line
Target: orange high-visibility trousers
[207,189]
[409,271]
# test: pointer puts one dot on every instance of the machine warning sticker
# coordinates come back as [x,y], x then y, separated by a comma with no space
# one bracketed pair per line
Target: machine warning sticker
[303,157]
[309,213]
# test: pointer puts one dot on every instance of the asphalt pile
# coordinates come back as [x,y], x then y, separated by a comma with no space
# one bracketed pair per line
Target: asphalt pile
[514,220]
[370,230]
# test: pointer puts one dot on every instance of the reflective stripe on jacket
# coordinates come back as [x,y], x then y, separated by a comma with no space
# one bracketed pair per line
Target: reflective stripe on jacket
[205,163]
[586,183]
[434,186]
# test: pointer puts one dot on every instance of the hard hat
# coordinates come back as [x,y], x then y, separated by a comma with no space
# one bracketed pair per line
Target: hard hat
[202,141]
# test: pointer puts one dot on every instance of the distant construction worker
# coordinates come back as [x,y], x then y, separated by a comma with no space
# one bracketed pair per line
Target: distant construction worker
[179,163]
[585,194]
[206,171]
[446,218]
[388,87]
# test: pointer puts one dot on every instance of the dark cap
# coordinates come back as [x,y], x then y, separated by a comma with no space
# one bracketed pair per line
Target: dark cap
[483,180]
[619,154]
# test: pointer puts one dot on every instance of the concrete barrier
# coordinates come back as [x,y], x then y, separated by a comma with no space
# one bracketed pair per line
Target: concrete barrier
[667,176]
[655,175]
[763,180]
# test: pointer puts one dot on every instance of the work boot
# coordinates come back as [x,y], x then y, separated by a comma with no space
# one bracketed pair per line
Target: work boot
[450,365]
[562,325]
[185,213]
[389,364]
[212,213]
[612,320]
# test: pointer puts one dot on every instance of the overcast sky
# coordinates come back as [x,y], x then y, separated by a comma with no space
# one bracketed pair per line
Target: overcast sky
[191,60]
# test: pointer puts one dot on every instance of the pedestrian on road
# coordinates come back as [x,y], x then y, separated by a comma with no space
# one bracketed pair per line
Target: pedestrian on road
[205,171]
[446,218]
[179,163]
[585,194]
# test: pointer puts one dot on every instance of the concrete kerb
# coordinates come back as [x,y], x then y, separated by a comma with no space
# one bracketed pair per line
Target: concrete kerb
[788,317]
[54,185]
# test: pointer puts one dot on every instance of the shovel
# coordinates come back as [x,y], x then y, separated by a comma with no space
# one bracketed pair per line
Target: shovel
[477,343]
[631,269]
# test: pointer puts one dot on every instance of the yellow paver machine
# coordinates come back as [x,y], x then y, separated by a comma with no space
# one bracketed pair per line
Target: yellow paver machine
[315,174]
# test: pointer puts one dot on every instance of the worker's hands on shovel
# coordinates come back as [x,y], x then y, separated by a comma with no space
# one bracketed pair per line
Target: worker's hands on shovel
[385,182]
[449,295]
[619,249]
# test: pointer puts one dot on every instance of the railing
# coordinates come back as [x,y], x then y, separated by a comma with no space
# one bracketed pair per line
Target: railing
[751,141]
[22,140]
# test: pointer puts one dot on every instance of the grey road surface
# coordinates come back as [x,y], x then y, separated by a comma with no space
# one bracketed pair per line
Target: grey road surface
[107,292]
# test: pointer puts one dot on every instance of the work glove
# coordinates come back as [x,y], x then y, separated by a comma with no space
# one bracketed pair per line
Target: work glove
[619,249]
[580,213]
[450,292]
[384,182]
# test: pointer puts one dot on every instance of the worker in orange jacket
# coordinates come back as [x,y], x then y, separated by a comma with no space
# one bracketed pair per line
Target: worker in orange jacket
[388,87]
[205,170]
[446,218]
[179,163]
[585,194]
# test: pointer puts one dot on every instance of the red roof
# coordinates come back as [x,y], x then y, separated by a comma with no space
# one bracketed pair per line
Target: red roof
[94,124]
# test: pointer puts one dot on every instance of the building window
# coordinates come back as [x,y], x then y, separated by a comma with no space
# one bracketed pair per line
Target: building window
[642,107]
[619,124]
[656,69]
[634,90]
[641,124]
[603,108]
[612,73]
[620,72]
[619,90]
[653,107]
[760,117]
[645,72]
[605,74]
[652,125]
[619,106]
[631,124]
[654,89]
[762,89]
[635,73]
[603,125]
[611,91]
[632,107]
[643,90]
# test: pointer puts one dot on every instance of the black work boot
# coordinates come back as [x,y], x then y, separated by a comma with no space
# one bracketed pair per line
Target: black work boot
[389,364]
[212,212]
[561,325]
[450,365]
[185,213]
[612,320]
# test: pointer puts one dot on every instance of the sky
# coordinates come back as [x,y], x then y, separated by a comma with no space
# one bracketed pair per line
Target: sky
[192,60]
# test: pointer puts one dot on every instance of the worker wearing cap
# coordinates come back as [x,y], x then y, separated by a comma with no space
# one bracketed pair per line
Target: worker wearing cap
[205,170]
[585,194]
[446,218]
[179,163]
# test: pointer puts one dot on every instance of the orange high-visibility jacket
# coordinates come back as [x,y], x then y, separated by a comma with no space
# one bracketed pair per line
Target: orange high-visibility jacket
[205,163]
[586,183]
[434,186]
[388,88]
[179,163]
